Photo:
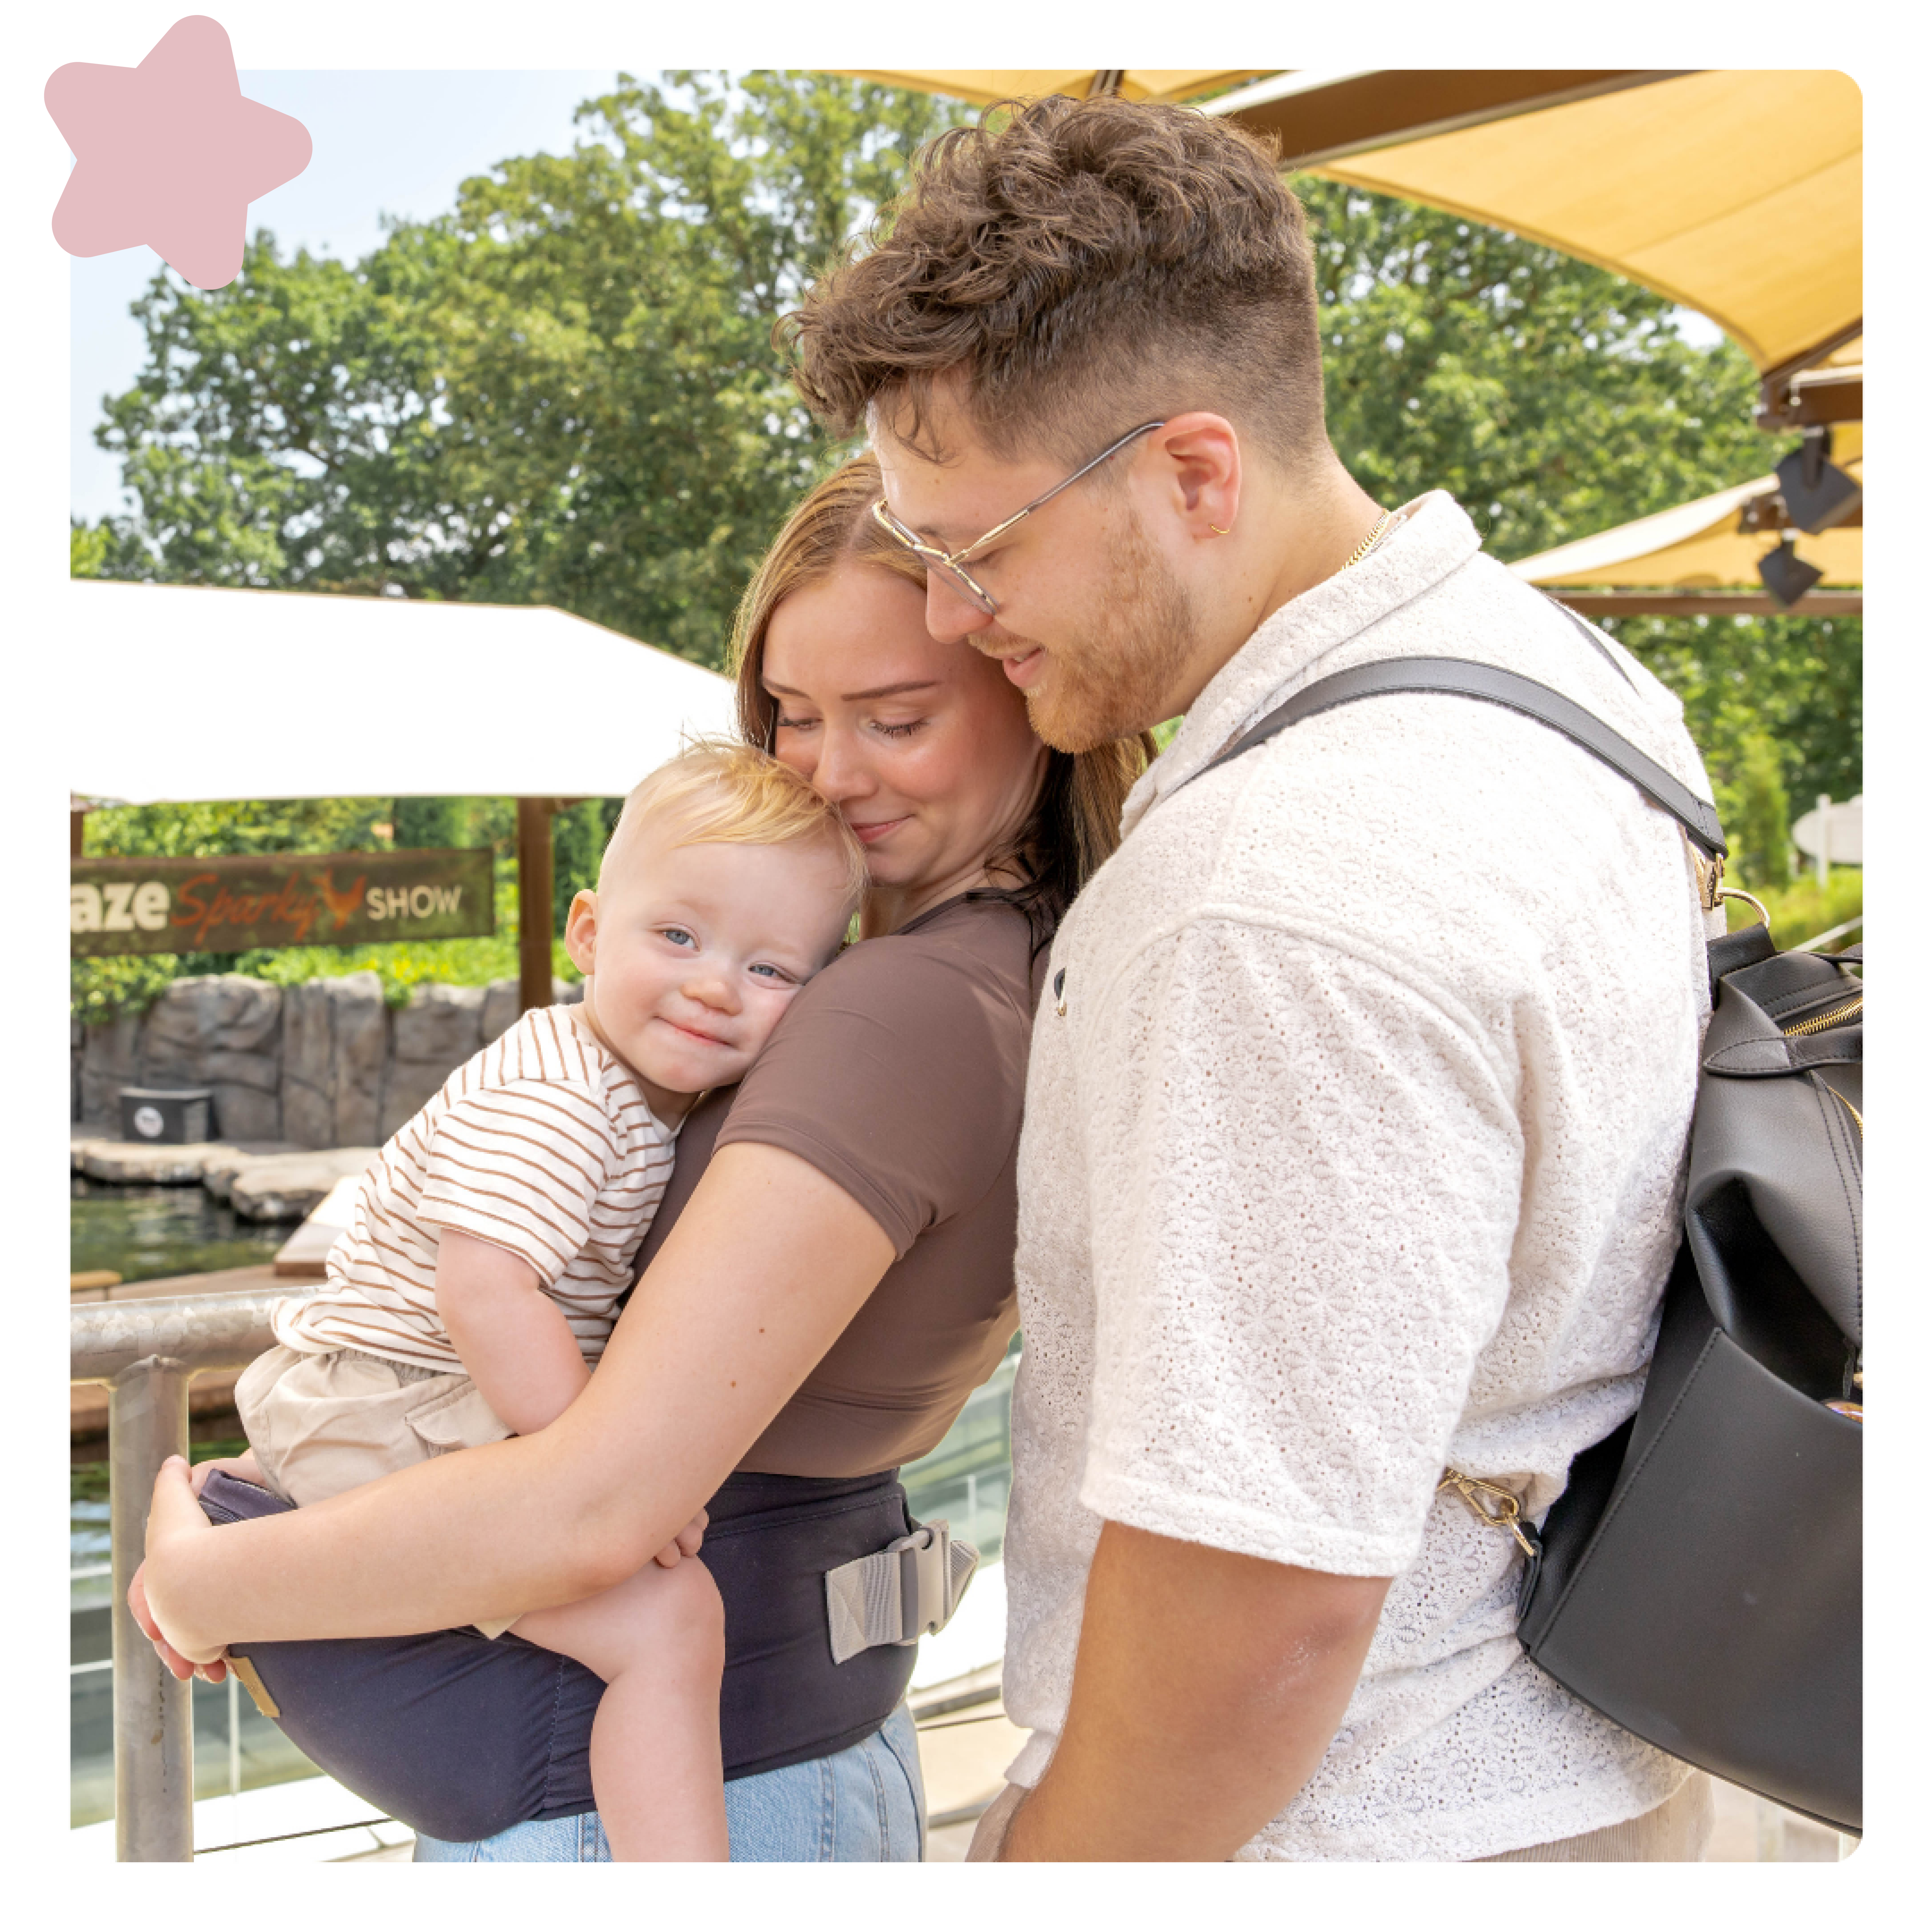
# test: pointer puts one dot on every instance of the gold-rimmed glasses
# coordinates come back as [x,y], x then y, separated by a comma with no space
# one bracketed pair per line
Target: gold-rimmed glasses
[951,564]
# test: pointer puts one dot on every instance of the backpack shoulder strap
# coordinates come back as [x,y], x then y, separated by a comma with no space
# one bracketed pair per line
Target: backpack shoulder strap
[1593,638]
[1462,677]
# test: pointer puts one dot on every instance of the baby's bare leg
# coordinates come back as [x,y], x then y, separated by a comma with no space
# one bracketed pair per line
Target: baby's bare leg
[656,1766]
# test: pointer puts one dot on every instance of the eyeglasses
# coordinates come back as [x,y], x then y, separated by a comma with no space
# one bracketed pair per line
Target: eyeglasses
[949,563]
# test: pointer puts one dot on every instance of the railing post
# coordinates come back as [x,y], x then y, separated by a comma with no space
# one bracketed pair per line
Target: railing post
[145,1351]
[154,1713]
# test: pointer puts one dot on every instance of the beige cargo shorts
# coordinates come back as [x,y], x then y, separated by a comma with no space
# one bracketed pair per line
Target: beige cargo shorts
[320,1424]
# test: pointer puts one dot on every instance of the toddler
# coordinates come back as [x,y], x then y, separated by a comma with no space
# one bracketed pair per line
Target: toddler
[478,1281]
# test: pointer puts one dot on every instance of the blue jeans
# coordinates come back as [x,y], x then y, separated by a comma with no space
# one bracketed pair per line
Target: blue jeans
[865,1804]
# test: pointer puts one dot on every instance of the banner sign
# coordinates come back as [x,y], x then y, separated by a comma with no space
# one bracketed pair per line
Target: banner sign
[278,899]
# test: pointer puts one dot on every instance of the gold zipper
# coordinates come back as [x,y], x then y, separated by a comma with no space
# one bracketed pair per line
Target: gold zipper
[1848,1107]
[1818,1022]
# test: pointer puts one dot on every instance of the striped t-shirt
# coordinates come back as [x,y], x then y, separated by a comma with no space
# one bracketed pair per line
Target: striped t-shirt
[543,1144]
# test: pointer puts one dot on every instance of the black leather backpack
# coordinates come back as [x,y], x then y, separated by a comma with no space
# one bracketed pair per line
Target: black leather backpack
[1700,1580]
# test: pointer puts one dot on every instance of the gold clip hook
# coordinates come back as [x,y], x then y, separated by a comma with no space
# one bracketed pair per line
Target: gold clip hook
[1506,1515]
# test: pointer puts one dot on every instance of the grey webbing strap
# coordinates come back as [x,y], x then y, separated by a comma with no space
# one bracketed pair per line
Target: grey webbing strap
[1462,677]
[900,1593]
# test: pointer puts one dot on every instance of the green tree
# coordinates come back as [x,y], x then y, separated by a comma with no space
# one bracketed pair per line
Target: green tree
[578,836]
[1760,825]
[1795,684]
[428,824]
[564,391]
[1555,400]
[1551,398]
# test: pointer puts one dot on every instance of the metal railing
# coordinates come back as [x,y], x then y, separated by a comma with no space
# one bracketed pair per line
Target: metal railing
[1820,940]
[147,1353]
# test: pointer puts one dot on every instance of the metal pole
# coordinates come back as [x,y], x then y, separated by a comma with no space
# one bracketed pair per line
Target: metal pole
[146,1351]
[535,887]
[154,1722]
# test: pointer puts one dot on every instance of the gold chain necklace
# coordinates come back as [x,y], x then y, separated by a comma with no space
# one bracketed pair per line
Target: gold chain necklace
[1368,542]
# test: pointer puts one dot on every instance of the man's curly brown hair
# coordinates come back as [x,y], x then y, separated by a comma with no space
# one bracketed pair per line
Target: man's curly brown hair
[1082,266]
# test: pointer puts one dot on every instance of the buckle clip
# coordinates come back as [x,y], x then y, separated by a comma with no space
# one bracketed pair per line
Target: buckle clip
[926,1569]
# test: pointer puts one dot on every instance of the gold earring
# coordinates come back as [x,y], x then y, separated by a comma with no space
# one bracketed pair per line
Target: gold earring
[1217,529]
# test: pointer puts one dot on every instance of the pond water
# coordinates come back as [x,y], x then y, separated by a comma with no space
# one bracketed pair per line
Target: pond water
[143,1233]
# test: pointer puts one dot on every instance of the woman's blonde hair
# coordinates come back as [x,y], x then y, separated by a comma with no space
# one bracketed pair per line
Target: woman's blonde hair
[718,791]
[1075,822]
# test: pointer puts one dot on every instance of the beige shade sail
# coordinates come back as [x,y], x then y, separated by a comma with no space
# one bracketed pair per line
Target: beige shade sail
[982,86]
[1712,544]
[1738,193]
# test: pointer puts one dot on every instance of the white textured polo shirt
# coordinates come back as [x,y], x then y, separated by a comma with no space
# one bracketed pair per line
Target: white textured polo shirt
[1354,1147]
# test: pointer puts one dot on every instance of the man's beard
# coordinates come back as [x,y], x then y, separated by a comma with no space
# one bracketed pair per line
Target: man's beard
[1114,677]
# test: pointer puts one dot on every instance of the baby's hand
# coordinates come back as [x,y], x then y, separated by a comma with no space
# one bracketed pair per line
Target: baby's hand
[686,1543]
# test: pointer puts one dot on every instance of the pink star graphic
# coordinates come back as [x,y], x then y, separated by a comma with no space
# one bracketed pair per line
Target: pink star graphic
[169,153]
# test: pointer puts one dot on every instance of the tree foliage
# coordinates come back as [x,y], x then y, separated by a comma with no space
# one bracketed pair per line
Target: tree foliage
[1776,704]
[1555,400]
[564,391]
[1551,399]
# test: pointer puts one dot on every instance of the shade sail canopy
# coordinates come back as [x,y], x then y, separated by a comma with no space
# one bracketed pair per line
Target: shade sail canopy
[219,694]
[985,85]
[1708,544]
[1736,193]
[1315,117]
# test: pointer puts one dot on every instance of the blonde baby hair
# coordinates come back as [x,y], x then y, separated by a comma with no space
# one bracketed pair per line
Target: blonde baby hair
[719,791]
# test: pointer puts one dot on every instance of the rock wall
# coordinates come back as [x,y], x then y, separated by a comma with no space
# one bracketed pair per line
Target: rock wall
[325,1063]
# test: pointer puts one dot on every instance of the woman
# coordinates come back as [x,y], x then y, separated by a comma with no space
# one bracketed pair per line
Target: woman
[828,1278]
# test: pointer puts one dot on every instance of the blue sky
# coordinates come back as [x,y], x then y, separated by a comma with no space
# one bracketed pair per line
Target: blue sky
[386,143]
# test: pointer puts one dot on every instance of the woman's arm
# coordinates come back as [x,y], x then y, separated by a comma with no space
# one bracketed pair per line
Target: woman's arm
[767,1264]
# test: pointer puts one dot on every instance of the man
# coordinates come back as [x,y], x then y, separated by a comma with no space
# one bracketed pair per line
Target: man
[1356,1117]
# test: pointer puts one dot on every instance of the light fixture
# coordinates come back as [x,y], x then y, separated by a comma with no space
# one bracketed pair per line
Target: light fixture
[1817,494]
[1787,575]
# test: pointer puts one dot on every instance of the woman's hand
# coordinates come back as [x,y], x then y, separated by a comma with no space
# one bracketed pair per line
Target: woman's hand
[686,1543]
[212,1672]
[175,1520]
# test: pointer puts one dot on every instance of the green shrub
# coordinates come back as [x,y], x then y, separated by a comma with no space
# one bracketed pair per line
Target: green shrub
[99,989]
[1802,909]
[1760,821]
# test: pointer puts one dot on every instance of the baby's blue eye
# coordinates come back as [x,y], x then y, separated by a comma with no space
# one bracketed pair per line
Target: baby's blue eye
[776,972]
[678,936]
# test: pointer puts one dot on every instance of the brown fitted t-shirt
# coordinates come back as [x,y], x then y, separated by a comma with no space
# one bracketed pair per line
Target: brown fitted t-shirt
[898,1073]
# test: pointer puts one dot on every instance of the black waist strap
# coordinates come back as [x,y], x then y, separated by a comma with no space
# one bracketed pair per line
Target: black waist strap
[770,1542]
[460,1737]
